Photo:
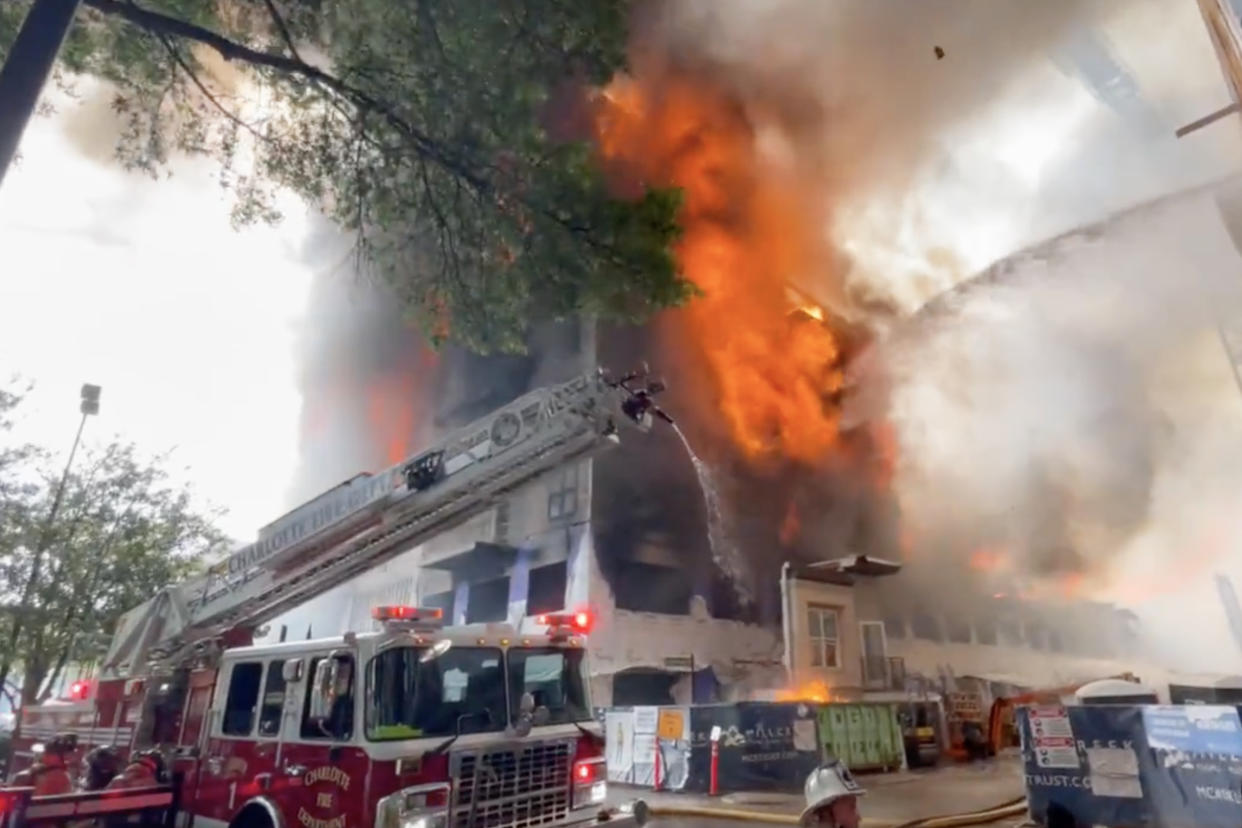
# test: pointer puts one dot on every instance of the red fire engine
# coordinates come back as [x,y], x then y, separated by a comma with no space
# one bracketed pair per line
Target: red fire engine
[415,725]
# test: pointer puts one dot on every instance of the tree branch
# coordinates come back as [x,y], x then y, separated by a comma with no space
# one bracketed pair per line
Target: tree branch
[424,146]
[279,21]
[194,78]
[230,50]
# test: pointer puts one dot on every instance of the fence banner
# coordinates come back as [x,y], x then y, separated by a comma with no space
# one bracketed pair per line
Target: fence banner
[1134,764]
[770,746]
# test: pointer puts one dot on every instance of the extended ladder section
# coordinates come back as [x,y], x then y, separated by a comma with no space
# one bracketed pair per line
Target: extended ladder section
[371,518]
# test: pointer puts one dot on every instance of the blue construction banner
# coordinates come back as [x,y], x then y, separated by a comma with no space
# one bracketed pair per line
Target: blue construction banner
[1168,766]
[764,746]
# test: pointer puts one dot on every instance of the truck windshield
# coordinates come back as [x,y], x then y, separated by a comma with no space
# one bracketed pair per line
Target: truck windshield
[554,677]
[460,691]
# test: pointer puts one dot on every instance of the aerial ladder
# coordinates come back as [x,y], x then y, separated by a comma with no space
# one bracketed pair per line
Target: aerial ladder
[371,518]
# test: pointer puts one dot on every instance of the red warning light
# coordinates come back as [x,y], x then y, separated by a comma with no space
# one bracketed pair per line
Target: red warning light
[579,621]
[79,690]
[402,612]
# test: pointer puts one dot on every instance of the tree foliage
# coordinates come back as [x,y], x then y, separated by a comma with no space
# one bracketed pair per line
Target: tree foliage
[124,529]
[419,125]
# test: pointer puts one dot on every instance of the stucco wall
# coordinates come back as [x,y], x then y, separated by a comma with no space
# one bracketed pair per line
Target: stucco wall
[848,673]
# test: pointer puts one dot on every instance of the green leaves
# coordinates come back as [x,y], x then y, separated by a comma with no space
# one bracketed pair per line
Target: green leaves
[416,126]
[124,529]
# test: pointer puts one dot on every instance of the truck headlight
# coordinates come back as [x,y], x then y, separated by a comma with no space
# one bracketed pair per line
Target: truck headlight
[422,806]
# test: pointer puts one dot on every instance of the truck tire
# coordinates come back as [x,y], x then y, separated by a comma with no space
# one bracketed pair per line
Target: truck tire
[252,816]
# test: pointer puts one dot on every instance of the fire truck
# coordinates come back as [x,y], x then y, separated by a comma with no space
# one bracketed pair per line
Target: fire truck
[412,725]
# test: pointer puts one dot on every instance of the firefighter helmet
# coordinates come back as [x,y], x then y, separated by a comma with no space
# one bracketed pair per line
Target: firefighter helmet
[828,783]
[100,766]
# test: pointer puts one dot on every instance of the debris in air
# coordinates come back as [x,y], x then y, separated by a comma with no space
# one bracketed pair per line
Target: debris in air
[939,52]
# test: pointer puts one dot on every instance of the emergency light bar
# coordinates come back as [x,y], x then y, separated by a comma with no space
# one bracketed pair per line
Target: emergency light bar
[562,622]
[430,615]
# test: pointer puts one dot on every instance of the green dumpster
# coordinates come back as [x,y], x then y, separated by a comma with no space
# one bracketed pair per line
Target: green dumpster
[865,736]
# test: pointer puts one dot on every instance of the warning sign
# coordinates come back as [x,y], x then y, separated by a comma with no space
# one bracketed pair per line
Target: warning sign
[1053,738]
[672,725]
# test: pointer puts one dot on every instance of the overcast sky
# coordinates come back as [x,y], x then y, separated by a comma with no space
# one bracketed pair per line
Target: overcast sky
[143,287]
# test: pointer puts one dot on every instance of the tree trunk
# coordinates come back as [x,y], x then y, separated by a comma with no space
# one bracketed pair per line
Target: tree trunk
[35,673]
[61,660]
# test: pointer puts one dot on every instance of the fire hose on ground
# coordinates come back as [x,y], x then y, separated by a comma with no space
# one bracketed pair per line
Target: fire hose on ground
[1005,810]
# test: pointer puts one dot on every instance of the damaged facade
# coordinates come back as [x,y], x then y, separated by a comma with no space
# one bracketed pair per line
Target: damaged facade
[856,631]
[628,535]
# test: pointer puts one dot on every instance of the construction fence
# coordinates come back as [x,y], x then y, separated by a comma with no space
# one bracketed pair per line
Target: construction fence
[762,746]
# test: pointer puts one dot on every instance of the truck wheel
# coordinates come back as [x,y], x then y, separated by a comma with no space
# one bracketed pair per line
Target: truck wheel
[252,816]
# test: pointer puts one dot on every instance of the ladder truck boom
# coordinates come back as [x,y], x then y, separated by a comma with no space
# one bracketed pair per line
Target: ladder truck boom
[374,517]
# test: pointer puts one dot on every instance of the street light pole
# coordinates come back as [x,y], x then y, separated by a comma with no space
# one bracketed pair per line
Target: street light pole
[25,72]
[89,405]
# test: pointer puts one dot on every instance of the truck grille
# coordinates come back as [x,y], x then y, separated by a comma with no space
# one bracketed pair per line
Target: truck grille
[513,787]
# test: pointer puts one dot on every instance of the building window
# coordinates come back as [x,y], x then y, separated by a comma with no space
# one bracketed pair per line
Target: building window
[1054,641]
[1035,636]
[985,631]
[442,601]
[563,497]
[545,591]
[1010,633]
[822,622]
[958,629]
[894,626]
[925,626]
[488,601]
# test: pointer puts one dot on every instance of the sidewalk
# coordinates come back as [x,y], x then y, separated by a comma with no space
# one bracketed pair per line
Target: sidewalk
[891,798]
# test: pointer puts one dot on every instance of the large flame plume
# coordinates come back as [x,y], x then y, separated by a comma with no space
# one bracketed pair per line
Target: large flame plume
[748,233]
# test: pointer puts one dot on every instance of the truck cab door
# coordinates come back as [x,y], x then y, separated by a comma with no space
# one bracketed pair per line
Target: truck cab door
[321,755]
[237,759]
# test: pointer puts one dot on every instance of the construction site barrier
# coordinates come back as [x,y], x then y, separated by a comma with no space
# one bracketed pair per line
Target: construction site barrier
[1005,810]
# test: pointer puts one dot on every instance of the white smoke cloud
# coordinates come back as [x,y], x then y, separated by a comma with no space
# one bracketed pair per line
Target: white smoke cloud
[1074,406]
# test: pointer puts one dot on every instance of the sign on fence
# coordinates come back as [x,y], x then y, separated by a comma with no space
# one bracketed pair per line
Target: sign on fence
[1135,764]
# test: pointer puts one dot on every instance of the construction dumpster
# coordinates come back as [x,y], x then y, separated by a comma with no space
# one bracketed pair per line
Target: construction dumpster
[863,735]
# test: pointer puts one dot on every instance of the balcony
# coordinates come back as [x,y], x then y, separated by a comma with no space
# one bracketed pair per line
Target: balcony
[883,673]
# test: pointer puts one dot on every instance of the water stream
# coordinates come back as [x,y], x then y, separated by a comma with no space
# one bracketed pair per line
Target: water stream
[723,550]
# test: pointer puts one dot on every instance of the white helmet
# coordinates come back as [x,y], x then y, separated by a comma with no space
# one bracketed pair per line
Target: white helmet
[828,783]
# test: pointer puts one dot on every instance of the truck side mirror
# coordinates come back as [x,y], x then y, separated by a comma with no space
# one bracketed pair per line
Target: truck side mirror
[323,691]
[292,670]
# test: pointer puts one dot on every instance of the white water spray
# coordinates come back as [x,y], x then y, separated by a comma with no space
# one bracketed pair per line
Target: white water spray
[724,551]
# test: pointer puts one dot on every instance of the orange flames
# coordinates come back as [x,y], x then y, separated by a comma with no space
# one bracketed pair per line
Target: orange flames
[989,559]
[791,525]
[748,232]
[390,416]
[811,691]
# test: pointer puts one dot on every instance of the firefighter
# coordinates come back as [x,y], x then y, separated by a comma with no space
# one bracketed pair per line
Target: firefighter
[50,772]
[832,797]
[145,768]
[99,767]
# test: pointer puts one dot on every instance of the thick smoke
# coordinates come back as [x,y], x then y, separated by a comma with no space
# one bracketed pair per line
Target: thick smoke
[1069,416]
[363,372]
[928,169]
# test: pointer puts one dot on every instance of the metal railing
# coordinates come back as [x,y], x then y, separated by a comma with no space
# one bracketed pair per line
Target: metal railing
[883,673]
